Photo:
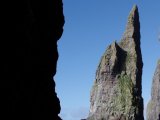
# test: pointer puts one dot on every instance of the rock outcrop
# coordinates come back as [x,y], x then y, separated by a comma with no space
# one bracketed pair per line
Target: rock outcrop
[31,29]
[116,93]
[153,107]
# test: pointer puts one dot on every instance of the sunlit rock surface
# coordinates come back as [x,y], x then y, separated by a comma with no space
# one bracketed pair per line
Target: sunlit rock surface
[153,107]
[116,93]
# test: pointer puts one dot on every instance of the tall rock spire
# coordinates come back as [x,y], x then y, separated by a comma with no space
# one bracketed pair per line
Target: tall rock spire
[132,28]
[116,93]
[131,43]
[153,108]
[133,22]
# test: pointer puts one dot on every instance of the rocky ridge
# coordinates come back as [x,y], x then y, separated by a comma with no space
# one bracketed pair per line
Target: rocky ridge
[153,107]
[116,93]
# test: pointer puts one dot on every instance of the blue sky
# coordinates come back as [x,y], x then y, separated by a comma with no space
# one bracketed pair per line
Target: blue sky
[91,25]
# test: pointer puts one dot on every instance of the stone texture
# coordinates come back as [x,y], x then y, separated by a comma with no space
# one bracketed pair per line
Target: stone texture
[31,29]
[153,107]
[116,93]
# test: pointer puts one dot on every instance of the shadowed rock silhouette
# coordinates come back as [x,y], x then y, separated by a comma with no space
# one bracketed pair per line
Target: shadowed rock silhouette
[29,56]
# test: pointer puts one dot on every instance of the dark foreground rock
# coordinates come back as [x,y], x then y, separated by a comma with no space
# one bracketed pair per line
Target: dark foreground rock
[29,56]
[153,107]
[116,93]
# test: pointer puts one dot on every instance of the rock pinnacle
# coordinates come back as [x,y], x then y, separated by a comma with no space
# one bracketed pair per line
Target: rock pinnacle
[116,93]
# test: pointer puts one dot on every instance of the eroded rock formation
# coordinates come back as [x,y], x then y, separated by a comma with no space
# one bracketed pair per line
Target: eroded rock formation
[29,57]
[153,107]
[116,93]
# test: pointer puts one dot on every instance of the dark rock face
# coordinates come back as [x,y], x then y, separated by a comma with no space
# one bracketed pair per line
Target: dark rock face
[153,107]
[29,57]
[116,93]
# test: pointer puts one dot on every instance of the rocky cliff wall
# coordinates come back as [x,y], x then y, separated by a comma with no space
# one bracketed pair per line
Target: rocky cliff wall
[31,29]
[153,107]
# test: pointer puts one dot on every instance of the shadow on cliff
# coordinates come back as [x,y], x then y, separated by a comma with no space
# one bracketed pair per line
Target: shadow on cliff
[29,57]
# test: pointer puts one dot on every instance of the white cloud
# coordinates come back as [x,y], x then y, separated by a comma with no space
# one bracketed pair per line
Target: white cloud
[74,113]
[80,113]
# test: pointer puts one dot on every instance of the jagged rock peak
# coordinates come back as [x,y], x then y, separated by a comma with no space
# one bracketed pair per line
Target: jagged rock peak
[133,18]
[133,27]
[116,93]
[153,107]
